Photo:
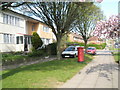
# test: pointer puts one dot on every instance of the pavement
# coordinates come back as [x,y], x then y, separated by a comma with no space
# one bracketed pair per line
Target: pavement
[102,72]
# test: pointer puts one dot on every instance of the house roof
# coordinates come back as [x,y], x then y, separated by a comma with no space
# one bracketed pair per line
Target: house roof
[94,38]
[25,16]
[76,35]
[24,34]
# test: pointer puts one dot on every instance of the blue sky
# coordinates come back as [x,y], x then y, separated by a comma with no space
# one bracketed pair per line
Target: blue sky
[109,7]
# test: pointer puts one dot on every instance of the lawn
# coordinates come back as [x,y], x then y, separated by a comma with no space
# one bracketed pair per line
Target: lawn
[43,75]
[117,56]
[116,53]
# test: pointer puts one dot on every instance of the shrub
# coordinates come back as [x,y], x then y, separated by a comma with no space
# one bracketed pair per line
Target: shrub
[9,58]
[37,53]
[52,49]
[98,46]
[36,40]
[103,45]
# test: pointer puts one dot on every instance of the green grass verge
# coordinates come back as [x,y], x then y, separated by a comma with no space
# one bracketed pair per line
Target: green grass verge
[43,75]
[11,56]
[0,71]
[116,54]
[98,46]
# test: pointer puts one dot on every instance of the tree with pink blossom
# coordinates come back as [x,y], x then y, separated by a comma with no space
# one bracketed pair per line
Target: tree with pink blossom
[109,28]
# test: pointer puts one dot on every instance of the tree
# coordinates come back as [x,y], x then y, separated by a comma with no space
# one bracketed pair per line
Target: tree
[88,16]
[108,28]
[36,40]
[6,5]
[60,16]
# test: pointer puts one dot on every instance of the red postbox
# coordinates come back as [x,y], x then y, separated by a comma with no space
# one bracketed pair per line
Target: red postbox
[80,54]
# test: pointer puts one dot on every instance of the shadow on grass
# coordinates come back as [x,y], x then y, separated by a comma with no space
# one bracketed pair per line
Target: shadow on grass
[65,64]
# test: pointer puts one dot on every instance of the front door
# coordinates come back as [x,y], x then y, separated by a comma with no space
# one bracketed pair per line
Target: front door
[25,43]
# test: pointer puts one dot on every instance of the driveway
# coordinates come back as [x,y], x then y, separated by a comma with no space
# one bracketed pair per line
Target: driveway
[102,72]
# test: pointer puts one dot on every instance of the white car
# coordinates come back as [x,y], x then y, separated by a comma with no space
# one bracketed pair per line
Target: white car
[71,51]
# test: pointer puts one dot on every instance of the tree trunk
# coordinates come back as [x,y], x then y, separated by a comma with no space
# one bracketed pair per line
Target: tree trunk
[58,48]
[85,41]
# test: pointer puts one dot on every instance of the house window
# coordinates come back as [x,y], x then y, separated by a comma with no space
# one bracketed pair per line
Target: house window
[47,41]
[8,38]
[19,39]
[45,29]
[5,18]
[33,27]
[9,19]
[29,40]
[5,38]
[12,20]
[43,40]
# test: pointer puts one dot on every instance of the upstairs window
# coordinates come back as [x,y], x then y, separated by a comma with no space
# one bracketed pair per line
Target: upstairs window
[12,20]
[46,29]
[33,27]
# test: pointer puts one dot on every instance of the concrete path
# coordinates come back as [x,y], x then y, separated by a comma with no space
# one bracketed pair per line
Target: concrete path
[102,72]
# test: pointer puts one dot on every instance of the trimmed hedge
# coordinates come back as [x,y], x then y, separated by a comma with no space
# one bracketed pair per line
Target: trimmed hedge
[52,49]
[98,46]
[9,58]
[47,50]
[20,57]
[37,53]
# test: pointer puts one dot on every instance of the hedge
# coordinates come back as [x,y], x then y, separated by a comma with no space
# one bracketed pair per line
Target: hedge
[98,46]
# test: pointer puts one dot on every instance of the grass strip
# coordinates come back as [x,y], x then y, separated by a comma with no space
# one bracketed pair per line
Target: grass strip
[43,75]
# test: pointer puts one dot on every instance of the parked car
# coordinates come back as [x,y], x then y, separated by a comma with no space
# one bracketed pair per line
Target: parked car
[91,50]
[71,51]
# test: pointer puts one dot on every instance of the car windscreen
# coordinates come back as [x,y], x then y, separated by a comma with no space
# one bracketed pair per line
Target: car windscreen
[90,48]
[70,49]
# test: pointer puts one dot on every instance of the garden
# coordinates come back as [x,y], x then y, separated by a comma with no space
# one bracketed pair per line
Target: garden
[49,50]
[49,74]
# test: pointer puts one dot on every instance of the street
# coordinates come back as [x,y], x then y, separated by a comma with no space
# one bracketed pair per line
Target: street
[102,72]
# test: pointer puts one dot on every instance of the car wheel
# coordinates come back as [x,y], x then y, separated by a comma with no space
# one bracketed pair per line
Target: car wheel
[94,53]
[63,56]
[74,55]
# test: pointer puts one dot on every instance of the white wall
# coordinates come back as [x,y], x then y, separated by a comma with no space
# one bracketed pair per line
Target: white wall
[11,29]
[1,18]
[1,38]
[19,47]
[7,47]
[7,28]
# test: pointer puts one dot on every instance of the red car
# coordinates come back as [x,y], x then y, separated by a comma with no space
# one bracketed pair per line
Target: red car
[91,50]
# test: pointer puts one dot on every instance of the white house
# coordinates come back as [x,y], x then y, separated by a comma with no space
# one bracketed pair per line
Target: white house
[16,31]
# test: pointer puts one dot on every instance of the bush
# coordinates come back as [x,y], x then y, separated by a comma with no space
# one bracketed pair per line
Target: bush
[75,43]
[37,53]
[52,49]
[10,58]
[98,46]
[47,50]
[36,40]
